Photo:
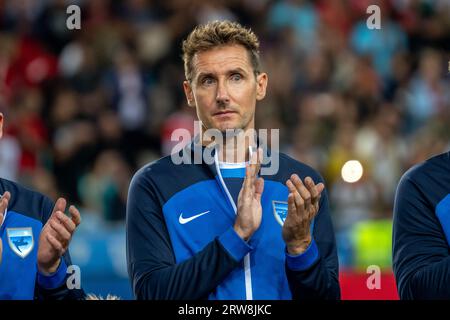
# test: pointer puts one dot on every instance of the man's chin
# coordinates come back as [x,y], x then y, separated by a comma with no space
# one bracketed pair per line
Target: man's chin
[230,130]
[227,126]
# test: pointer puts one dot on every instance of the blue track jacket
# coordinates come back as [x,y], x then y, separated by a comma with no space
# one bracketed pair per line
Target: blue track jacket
[181,243]
[421,235]
[27,213]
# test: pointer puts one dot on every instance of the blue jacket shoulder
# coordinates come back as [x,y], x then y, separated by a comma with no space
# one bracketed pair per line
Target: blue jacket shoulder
[26,201]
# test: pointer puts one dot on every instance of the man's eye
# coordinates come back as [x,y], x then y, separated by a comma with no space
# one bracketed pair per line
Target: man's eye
[207,81]
[236,77]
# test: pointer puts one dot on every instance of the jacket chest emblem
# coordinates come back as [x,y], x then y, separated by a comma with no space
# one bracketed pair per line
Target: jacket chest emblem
[280,211]
[21,240]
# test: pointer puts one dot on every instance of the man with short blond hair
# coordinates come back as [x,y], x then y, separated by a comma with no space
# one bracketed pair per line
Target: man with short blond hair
[228,229]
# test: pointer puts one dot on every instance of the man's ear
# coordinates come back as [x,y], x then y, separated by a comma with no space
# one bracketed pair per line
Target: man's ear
[1,124]
[188,92]
[261,85]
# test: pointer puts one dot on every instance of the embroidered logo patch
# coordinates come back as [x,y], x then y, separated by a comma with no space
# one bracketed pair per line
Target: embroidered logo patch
[280,211]
[20,240]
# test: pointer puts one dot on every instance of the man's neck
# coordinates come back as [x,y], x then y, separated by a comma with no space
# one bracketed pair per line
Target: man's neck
[232,151]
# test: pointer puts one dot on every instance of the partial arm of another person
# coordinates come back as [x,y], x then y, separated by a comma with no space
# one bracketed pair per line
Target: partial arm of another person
[421,257]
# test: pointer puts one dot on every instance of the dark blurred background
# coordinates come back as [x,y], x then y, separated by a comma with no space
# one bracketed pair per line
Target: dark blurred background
[86,108]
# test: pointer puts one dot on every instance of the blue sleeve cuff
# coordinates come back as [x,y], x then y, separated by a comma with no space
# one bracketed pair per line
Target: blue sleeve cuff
[234,244]
[304,260]
[53,280]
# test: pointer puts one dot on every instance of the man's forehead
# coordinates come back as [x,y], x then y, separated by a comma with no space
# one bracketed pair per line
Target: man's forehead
[222,59]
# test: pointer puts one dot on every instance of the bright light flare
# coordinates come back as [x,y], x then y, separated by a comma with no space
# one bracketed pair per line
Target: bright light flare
[352,171]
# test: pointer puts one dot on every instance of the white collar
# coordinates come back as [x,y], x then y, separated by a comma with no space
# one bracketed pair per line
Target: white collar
[235,165]
[232,165]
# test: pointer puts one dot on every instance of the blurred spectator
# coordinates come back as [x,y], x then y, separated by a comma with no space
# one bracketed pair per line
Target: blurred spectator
[181,120]
[127,88]
[104,188]
[379,44]
[214,10]
[352,203]
[378,143]
[428,92]
[301,17]
[9,158]
[29,128]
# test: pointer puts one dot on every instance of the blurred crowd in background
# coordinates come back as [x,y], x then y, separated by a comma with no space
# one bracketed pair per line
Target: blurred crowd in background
[84,109]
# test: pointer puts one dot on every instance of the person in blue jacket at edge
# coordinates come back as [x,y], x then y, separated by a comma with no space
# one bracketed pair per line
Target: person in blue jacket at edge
[421,230]
[223,229]
[34,240]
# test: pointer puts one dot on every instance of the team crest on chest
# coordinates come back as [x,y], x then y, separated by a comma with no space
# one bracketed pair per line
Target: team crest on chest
[280,211]
[21,240]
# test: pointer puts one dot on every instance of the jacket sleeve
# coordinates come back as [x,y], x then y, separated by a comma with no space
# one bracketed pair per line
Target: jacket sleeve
[54,286]
[421,258]
[314,273]
[152,266]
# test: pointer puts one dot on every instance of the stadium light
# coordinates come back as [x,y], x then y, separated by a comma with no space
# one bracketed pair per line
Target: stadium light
[352,171]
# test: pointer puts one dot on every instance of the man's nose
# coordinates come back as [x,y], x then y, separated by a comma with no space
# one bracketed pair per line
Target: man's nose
[222,97]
